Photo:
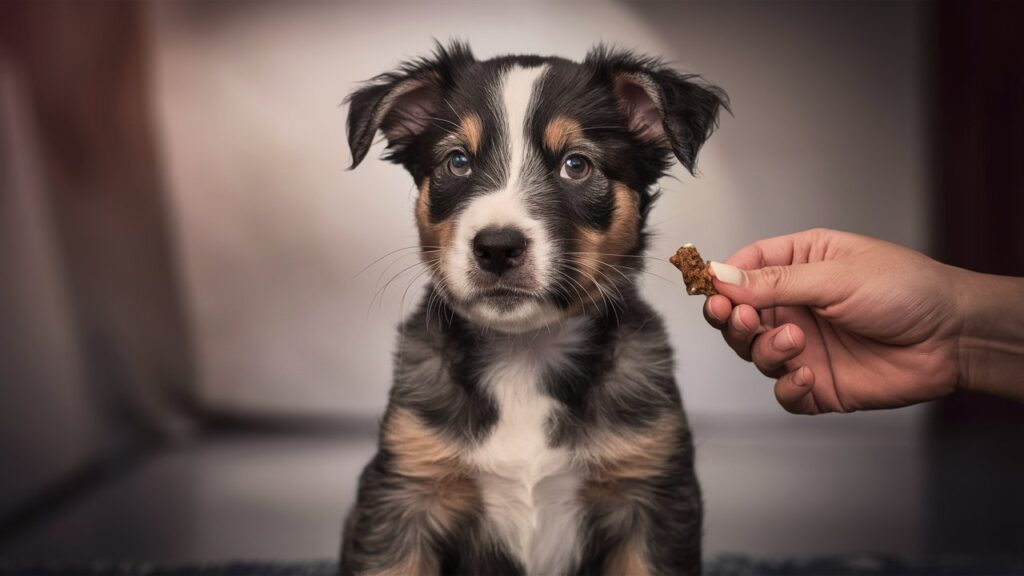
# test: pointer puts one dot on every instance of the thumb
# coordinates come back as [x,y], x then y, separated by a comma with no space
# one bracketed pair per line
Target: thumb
[809,284]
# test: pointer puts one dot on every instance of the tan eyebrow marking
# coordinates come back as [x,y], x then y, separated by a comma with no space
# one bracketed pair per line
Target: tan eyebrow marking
[470,134]
[560,132]
[473,130]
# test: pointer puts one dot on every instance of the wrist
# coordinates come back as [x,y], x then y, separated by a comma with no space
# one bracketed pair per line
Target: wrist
[990,345]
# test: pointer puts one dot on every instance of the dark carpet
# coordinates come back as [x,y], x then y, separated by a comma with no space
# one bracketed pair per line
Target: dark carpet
[865,565]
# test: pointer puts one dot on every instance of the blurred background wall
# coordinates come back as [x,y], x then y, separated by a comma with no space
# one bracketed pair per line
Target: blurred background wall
[828,131]
[181,248]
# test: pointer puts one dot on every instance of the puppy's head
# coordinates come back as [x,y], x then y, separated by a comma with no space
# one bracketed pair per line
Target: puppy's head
[534,174]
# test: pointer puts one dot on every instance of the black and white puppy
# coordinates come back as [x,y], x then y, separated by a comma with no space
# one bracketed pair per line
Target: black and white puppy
[534,424]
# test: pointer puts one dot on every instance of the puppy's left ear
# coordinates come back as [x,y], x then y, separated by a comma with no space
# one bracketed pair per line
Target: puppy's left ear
[660,106]
[401,103]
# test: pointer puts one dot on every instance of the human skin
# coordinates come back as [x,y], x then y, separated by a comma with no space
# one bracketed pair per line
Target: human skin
[845,322]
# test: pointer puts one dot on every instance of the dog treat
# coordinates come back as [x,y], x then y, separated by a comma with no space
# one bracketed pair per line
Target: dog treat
[696,274]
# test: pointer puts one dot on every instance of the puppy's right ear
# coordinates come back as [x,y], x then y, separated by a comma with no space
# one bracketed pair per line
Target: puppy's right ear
[402,103]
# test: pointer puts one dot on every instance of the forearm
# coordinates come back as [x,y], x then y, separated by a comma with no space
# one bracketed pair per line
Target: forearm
[991,343]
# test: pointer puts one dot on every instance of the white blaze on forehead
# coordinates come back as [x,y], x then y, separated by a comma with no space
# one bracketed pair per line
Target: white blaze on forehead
[516,95]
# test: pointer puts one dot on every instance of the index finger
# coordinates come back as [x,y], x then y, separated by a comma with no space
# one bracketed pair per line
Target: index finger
[797,248]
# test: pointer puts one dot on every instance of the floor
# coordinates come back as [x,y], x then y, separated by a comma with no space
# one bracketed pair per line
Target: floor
[790,487]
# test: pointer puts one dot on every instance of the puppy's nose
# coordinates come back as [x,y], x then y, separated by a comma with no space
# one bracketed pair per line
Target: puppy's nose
[499,249]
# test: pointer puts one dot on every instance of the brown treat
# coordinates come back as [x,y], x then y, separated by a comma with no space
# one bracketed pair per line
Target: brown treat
[695,271]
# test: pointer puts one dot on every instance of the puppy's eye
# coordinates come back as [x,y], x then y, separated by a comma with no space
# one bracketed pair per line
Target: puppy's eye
[575,167]
[458,163]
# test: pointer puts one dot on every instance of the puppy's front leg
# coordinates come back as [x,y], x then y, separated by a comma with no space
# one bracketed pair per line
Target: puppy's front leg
[411,496]
[630,556]
[388,532]
[646,553]
[645,500]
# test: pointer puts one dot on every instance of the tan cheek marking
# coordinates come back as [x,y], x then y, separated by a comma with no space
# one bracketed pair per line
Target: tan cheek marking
[590,248]
[435,238]
[473,130]
[621,236]
[600,250]
[560,132]
[588,262]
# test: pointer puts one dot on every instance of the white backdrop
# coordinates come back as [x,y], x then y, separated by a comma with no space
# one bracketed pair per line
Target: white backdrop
[828,131]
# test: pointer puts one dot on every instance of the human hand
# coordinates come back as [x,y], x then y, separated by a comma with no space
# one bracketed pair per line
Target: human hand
[843,322]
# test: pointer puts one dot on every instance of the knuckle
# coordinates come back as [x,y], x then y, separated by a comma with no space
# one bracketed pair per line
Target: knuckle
[780,397]
[791,408]
[822,237]
[741,348]
[775,277]
[784,395]
[762,356]
[818,233]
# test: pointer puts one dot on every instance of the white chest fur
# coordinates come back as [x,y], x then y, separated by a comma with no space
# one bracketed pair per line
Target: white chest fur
[529,488]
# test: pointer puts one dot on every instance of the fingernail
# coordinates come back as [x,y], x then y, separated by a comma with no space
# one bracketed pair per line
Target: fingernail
[783,340]
[727,273]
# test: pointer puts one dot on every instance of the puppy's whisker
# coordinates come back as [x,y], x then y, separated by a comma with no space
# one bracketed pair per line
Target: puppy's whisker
[395,251]
[383,289]
[635,256]
[446,121]
[585,291]
[450,107]
[396,260]
[619,267]
[608,298]
[401,314]
[573,284]
[612,284]
[607,127]
[617,271]
[632,268]
[401,305]
[430,305]
[605,276]
[439,285]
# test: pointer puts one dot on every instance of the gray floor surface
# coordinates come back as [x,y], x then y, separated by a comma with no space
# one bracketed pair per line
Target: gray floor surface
[790,487]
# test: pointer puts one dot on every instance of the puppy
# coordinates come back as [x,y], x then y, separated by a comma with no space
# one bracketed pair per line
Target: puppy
[534,425]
